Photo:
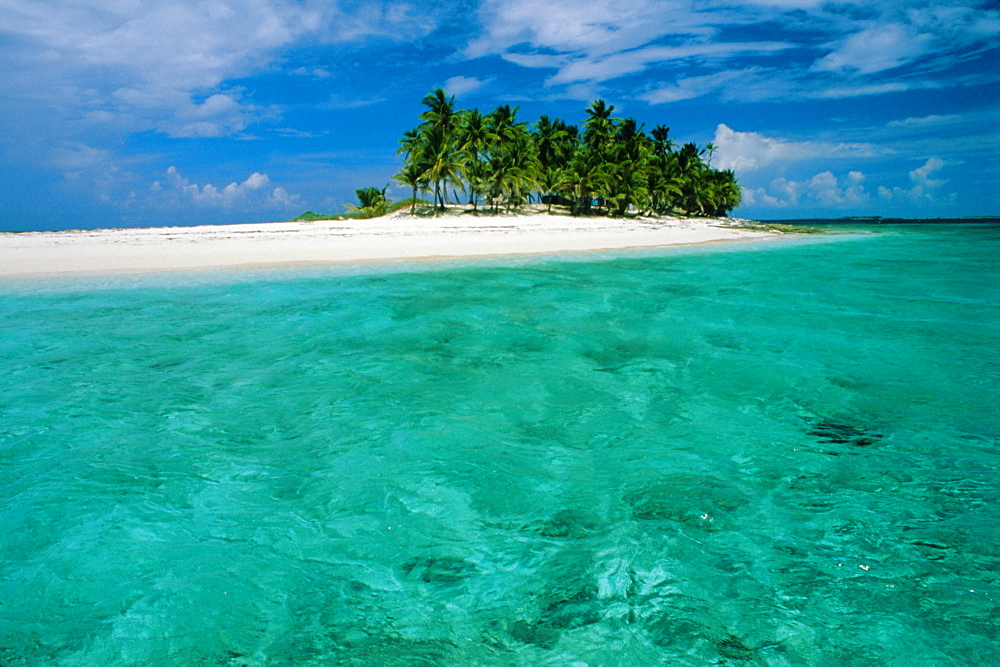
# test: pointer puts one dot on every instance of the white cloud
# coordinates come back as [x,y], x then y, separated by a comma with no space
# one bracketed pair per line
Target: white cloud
[827,191]
[787,5]
[692,87]
[601,40]
[315,72]
[255,190]
[824,189]
[459,85]
[921,175]
[592,27]
[840,92]
[536,60]
[341,101]
[280,198]
[746,152]
[593,40]
[877,48]
[178,45]
[97,171]
[76,160]
[610,67]
[925,121]
[925,189]
[830,191]
[219,115]
[163,65]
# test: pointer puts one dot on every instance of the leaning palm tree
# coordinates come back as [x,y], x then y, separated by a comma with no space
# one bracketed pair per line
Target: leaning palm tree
[710,149]
[413,175]
[411,144]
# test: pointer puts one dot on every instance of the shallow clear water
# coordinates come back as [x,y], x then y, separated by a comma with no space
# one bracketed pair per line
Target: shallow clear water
[778,454]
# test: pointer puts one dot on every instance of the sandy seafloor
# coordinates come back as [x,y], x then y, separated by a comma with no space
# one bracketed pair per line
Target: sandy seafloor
[397,237]
[773,453]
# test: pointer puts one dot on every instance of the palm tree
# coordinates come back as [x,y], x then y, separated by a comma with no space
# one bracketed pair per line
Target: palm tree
[550,142]
[440,109]
[588,179]
[437,143]
[662,142]
[503,161]
[725,193]
[412,174]
[599,125]
[692,176]
[472,139]
[372,202]
[441,162]
[664,189]
[476,174]
[522,166]
[628,155]
[552,181]
[410,144]
[512,168]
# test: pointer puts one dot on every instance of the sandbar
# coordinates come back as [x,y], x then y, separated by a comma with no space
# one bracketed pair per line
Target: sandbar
[396,237]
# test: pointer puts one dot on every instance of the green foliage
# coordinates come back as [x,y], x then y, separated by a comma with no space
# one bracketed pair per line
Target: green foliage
[310,216]
[372,202]
[410,203]
[611,167]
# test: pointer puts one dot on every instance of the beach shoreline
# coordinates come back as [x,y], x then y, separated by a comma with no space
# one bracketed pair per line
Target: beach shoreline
[394,238]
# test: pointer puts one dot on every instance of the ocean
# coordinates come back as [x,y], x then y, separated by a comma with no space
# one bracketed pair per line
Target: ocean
[779,453]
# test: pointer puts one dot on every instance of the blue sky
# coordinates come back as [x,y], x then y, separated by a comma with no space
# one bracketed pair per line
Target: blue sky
[121,113]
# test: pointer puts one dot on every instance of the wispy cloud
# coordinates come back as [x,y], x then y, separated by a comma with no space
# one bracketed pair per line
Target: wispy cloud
[460,85]
[933,120]
[606,68]
[844,54]
[341,101]
[587,27]
[878,48]
[696,86]
[164,65]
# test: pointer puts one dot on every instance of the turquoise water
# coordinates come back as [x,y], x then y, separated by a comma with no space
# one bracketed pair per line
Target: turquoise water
[778,454]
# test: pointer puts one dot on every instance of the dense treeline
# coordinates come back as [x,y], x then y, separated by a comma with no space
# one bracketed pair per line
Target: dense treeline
[612,167]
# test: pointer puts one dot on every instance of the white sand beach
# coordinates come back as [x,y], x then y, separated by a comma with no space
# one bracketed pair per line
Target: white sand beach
[397,237]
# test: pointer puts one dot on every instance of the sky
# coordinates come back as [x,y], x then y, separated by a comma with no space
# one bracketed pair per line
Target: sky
[127,113]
